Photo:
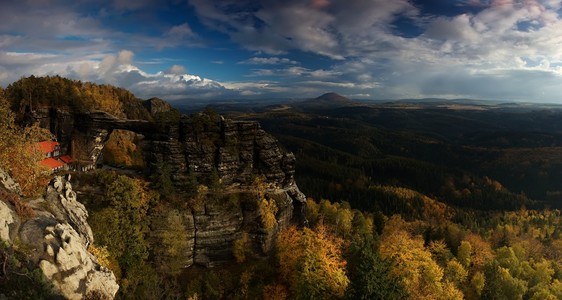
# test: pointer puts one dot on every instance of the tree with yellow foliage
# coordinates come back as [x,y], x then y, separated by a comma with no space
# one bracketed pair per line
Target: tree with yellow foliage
[268,209]
[312,264]
[413,264]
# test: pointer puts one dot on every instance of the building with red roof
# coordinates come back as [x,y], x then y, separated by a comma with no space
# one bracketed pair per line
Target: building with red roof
[53,164]
[53,160]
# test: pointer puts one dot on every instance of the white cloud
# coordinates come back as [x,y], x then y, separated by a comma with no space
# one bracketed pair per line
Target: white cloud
[496,47]
[458,28]
[329,28]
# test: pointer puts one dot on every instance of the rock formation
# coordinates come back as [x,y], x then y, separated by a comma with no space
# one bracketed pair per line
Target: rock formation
[199,147]
[206,145]
[57,239]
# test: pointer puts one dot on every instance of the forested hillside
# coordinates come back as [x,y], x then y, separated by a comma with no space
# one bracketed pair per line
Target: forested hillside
[31,93]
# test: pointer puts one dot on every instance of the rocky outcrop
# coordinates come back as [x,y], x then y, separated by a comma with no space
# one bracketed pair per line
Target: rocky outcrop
[71,268]
[215,231]
[236,150]
[57,240]
[156,106]
[61,202]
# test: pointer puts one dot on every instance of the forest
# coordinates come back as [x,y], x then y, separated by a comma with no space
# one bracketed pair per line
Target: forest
[403,204]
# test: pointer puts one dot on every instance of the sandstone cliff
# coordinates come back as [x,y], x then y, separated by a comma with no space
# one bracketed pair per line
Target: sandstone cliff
[197,148]
[56,239]
[205,145]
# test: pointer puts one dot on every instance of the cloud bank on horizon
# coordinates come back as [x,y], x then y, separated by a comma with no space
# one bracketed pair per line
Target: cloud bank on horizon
[377,49]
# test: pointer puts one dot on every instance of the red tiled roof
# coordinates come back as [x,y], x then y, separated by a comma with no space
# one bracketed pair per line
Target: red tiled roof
[51,163]
[47,146]
[66,159]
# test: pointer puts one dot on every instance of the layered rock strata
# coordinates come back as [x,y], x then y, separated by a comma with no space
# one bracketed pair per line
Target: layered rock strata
[205,146]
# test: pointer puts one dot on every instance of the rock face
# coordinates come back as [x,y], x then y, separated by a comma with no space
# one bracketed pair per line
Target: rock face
[61,202]
[58,238]
[83,135]
[205,146]
[235,150]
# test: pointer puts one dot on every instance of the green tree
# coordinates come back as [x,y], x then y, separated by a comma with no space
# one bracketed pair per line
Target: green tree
[455,273]
[170,238]
[161,178]
[413,264]
[369,274]
[312,213]
[500,283]
[241,248]
[268,209]
[477,283]
[122,226]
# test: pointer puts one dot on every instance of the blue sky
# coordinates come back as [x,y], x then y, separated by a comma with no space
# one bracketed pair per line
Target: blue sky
[371,49]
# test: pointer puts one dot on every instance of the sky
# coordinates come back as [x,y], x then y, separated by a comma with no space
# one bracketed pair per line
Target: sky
[245,49]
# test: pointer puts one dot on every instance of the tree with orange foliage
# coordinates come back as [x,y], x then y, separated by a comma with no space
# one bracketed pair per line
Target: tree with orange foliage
[19,153]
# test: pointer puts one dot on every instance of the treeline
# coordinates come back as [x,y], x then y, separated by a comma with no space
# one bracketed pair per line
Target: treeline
[30,93]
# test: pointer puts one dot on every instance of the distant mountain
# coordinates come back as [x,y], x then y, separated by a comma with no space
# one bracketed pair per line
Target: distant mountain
[328,100]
